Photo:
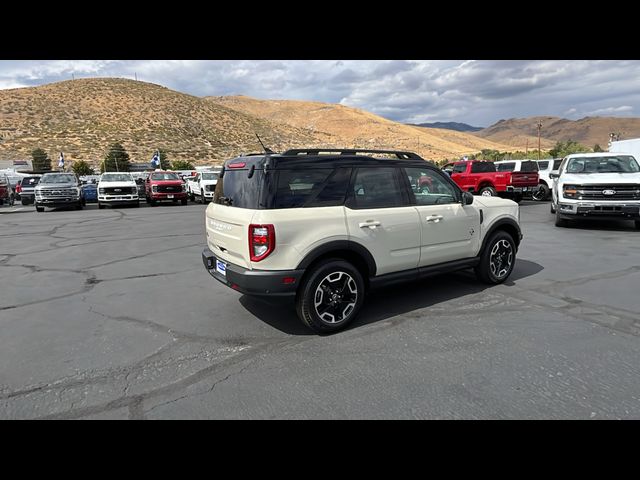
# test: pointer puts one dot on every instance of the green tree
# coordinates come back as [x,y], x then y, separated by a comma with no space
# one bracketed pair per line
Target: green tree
[182,165]
[41,161]
[117,160]
[562,149]
[597,148]
[80,167]
[165,164]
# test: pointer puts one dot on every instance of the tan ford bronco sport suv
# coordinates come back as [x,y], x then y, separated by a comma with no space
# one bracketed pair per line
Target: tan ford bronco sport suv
[323,227]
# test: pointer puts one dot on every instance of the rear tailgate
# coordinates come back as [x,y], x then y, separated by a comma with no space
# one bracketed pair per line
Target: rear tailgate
[524,179]
[228,233]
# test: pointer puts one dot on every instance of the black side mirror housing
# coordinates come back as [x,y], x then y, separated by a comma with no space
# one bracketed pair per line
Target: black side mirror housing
[554,175]
[467,198]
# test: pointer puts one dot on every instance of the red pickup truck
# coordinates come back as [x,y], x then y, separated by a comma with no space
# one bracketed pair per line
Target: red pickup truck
[165,186]
[481,178]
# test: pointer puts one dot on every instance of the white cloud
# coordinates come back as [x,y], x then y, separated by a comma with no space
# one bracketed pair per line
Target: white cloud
[471,91]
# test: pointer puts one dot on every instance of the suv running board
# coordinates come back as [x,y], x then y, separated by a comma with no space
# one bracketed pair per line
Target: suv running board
[422,272]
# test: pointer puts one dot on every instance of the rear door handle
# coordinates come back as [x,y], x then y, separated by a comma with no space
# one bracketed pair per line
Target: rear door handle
[434,218]
[369,224]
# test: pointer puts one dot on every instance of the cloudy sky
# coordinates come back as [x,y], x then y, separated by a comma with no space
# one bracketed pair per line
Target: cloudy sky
[476,92]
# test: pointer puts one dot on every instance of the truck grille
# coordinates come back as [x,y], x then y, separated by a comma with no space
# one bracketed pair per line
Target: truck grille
[619,192]
[120,190]
[58,192]
[169,188]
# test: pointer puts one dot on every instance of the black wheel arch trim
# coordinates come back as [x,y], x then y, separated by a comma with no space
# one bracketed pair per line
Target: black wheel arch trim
[338,245]
[499,225]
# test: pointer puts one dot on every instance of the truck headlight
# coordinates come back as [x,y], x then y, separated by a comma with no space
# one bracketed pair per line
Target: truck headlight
[101,191]
[570,191]
[184,187]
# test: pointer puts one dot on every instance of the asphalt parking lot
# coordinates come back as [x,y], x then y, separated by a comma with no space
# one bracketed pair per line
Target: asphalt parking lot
[110,315]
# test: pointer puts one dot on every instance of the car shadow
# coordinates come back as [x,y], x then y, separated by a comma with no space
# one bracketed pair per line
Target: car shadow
[388,302]
[600,224]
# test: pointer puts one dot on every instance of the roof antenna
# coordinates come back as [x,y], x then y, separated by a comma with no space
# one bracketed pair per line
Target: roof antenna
[266,150]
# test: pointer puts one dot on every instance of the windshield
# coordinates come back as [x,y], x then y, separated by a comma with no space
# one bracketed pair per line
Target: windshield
[116,177]
[30,181]
[58,178]
[209,176]
[165,176]
[609,164]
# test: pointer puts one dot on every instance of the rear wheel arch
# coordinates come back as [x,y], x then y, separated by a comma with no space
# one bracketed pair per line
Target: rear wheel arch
[352,252]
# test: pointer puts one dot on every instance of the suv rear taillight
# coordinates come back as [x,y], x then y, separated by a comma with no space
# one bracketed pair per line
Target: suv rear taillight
[262,241]
[18,188]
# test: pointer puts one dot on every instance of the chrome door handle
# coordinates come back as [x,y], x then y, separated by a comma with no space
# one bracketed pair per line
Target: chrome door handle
[369,224]
[434,218]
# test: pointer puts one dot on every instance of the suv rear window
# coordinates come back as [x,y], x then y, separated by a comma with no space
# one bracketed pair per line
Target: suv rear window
[236,189]
[543,165]
[506,167]
[529,167]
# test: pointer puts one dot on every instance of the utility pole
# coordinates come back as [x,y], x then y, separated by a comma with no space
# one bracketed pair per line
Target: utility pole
[526,149]
[539,127]
[136,74]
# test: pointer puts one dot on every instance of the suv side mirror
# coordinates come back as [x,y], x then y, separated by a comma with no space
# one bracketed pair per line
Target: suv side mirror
[555,174]
[467,198]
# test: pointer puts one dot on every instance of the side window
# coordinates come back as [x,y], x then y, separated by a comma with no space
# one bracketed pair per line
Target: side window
[482,167]
[376,188]
[306,188]
[556,164]
[460,168]
[430,187]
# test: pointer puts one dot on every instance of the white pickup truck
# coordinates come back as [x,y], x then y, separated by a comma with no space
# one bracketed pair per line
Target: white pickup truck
[202,186]
[596,185]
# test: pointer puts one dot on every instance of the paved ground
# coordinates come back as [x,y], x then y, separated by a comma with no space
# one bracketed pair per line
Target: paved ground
[109,314]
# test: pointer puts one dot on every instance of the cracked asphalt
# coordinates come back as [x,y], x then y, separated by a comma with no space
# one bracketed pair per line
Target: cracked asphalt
[109,315]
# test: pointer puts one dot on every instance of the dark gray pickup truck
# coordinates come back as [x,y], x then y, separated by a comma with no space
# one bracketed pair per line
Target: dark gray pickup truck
[59,190]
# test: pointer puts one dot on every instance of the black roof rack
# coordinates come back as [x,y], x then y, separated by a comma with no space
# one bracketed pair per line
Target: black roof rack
[351,151]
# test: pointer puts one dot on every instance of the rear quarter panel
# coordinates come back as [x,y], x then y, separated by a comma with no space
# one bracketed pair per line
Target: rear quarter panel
[298,232]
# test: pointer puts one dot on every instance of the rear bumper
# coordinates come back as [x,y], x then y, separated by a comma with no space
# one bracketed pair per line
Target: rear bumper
[529,188]
[253,282]
[599,210]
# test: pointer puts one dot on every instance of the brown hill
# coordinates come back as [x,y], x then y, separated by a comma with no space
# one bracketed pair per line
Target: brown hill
[83,117]
[338,125]
[587,131]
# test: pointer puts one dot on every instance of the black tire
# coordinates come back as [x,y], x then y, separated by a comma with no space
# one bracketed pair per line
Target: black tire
[488,192]
[497,259]
[151,202]
[100,206]
[318,280]
[192,197]
[79,206]
[552,209]
[541,194]
[203,200]
[12,200]
[39,209]
[183,201]
[1,201]
[561,222]
[137,204]
[637,222]
[24,201]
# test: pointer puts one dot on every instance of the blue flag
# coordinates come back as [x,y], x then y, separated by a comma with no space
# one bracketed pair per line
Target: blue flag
[155,161]
[61,160]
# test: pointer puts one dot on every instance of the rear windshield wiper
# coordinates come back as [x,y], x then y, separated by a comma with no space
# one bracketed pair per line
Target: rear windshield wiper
[225,201]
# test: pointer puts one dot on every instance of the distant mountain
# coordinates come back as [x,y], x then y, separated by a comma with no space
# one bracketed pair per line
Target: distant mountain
[83,117]
[523,132]
[457,126]
[342,126]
